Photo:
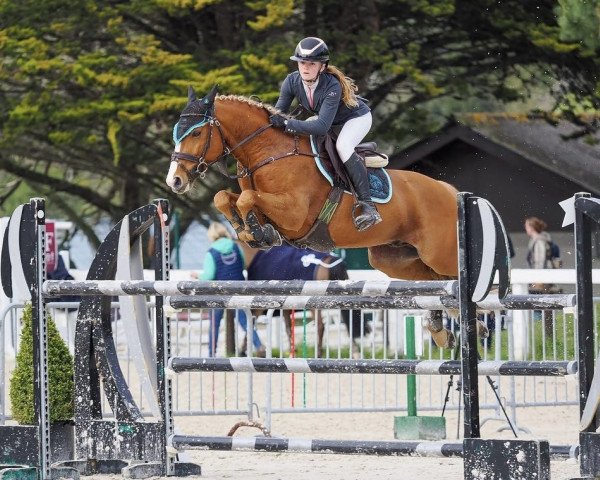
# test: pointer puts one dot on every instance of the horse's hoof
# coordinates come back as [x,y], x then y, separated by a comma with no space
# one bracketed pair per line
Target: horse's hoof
[482,330]
[433,321]
[444,338]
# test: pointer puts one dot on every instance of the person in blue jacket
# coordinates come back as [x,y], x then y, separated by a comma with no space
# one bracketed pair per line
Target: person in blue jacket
[325,91]
[225,261]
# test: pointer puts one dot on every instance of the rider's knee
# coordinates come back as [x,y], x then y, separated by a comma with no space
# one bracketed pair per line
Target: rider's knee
[344,150]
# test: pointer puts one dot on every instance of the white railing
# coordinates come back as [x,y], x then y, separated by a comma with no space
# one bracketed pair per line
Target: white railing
[520,280]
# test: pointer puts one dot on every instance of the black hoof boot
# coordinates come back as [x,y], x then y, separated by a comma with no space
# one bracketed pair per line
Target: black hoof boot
[265,236]
[271,236]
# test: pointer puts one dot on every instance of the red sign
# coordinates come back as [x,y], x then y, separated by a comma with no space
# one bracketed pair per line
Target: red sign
[51,248]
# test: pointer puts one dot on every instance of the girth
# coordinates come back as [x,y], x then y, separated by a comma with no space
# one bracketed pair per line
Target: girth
[318,238]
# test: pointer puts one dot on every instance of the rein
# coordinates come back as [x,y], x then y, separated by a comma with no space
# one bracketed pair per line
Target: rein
[221,161]
[269,160]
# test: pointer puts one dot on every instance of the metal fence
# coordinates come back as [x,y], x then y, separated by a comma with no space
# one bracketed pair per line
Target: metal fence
[381,335]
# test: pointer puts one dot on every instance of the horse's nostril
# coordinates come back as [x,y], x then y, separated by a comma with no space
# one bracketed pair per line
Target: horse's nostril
[177,183]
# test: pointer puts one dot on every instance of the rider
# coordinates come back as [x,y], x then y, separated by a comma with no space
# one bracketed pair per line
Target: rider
[325,91]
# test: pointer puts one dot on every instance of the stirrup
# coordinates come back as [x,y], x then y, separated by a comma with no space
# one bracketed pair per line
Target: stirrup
[363,221]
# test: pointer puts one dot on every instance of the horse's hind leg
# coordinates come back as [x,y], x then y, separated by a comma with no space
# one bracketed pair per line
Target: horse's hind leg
[287,318]
[320,331]
[482,329]
[404,263]
[401,262]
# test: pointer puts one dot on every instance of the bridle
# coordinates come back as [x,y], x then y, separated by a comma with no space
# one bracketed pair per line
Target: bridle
[221,161]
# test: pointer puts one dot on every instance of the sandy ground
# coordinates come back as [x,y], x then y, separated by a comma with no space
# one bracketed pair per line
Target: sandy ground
[329,467]
[298,466]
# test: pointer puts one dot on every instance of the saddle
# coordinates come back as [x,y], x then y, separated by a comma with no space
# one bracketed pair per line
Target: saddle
[332,162]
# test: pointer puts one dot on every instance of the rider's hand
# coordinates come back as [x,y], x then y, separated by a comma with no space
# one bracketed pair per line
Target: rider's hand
[278,121]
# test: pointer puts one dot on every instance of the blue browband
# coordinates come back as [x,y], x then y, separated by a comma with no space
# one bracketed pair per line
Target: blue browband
[178,140]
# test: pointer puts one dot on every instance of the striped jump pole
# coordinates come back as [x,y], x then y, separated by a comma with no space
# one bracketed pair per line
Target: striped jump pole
[512,302]
[374,288]
[383,367]
[317,293]
[362,447]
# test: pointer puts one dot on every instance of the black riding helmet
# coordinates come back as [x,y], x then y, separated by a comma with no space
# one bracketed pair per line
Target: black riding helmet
[311,49]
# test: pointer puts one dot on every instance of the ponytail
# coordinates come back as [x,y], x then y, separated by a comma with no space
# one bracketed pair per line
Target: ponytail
[349,88]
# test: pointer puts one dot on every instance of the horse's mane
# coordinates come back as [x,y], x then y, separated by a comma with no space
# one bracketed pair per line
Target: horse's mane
[240,98]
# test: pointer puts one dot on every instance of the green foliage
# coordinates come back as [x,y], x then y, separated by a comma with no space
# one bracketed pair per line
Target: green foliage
[579,21]
[60,375]
[276,14]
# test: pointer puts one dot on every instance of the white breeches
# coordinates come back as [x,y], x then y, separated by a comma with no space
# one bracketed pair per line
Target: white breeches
[353,132]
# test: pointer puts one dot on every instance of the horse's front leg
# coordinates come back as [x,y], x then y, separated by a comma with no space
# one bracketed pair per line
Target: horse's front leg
[225,202]
[286,211]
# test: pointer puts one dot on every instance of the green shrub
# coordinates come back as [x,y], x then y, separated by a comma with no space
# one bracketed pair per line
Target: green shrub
[60,375]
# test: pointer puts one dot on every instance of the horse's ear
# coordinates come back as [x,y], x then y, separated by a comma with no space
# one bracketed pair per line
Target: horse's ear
[191,94]
[210,97]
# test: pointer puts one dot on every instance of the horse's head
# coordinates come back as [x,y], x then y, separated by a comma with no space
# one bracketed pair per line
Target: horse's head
[193,135]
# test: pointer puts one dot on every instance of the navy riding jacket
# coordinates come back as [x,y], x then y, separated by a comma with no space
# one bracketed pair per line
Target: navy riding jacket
[327,104]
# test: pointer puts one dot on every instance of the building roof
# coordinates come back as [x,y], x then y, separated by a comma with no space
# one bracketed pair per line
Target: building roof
[556,148]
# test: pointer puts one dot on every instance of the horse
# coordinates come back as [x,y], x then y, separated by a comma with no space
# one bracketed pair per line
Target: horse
[289,263]
[283,194]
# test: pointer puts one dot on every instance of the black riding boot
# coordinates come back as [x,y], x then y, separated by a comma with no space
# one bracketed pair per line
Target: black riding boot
[358,174]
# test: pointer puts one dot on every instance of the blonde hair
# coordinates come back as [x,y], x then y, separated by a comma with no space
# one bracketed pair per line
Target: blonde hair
[217,230]
[349,88]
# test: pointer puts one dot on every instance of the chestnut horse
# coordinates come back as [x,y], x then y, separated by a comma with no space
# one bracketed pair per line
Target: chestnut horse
[283,193]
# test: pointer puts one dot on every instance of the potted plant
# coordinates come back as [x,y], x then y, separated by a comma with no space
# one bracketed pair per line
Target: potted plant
[61,396]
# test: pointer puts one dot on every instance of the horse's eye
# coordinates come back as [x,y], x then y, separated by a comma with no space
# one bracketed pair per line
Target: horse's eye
[196,133]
